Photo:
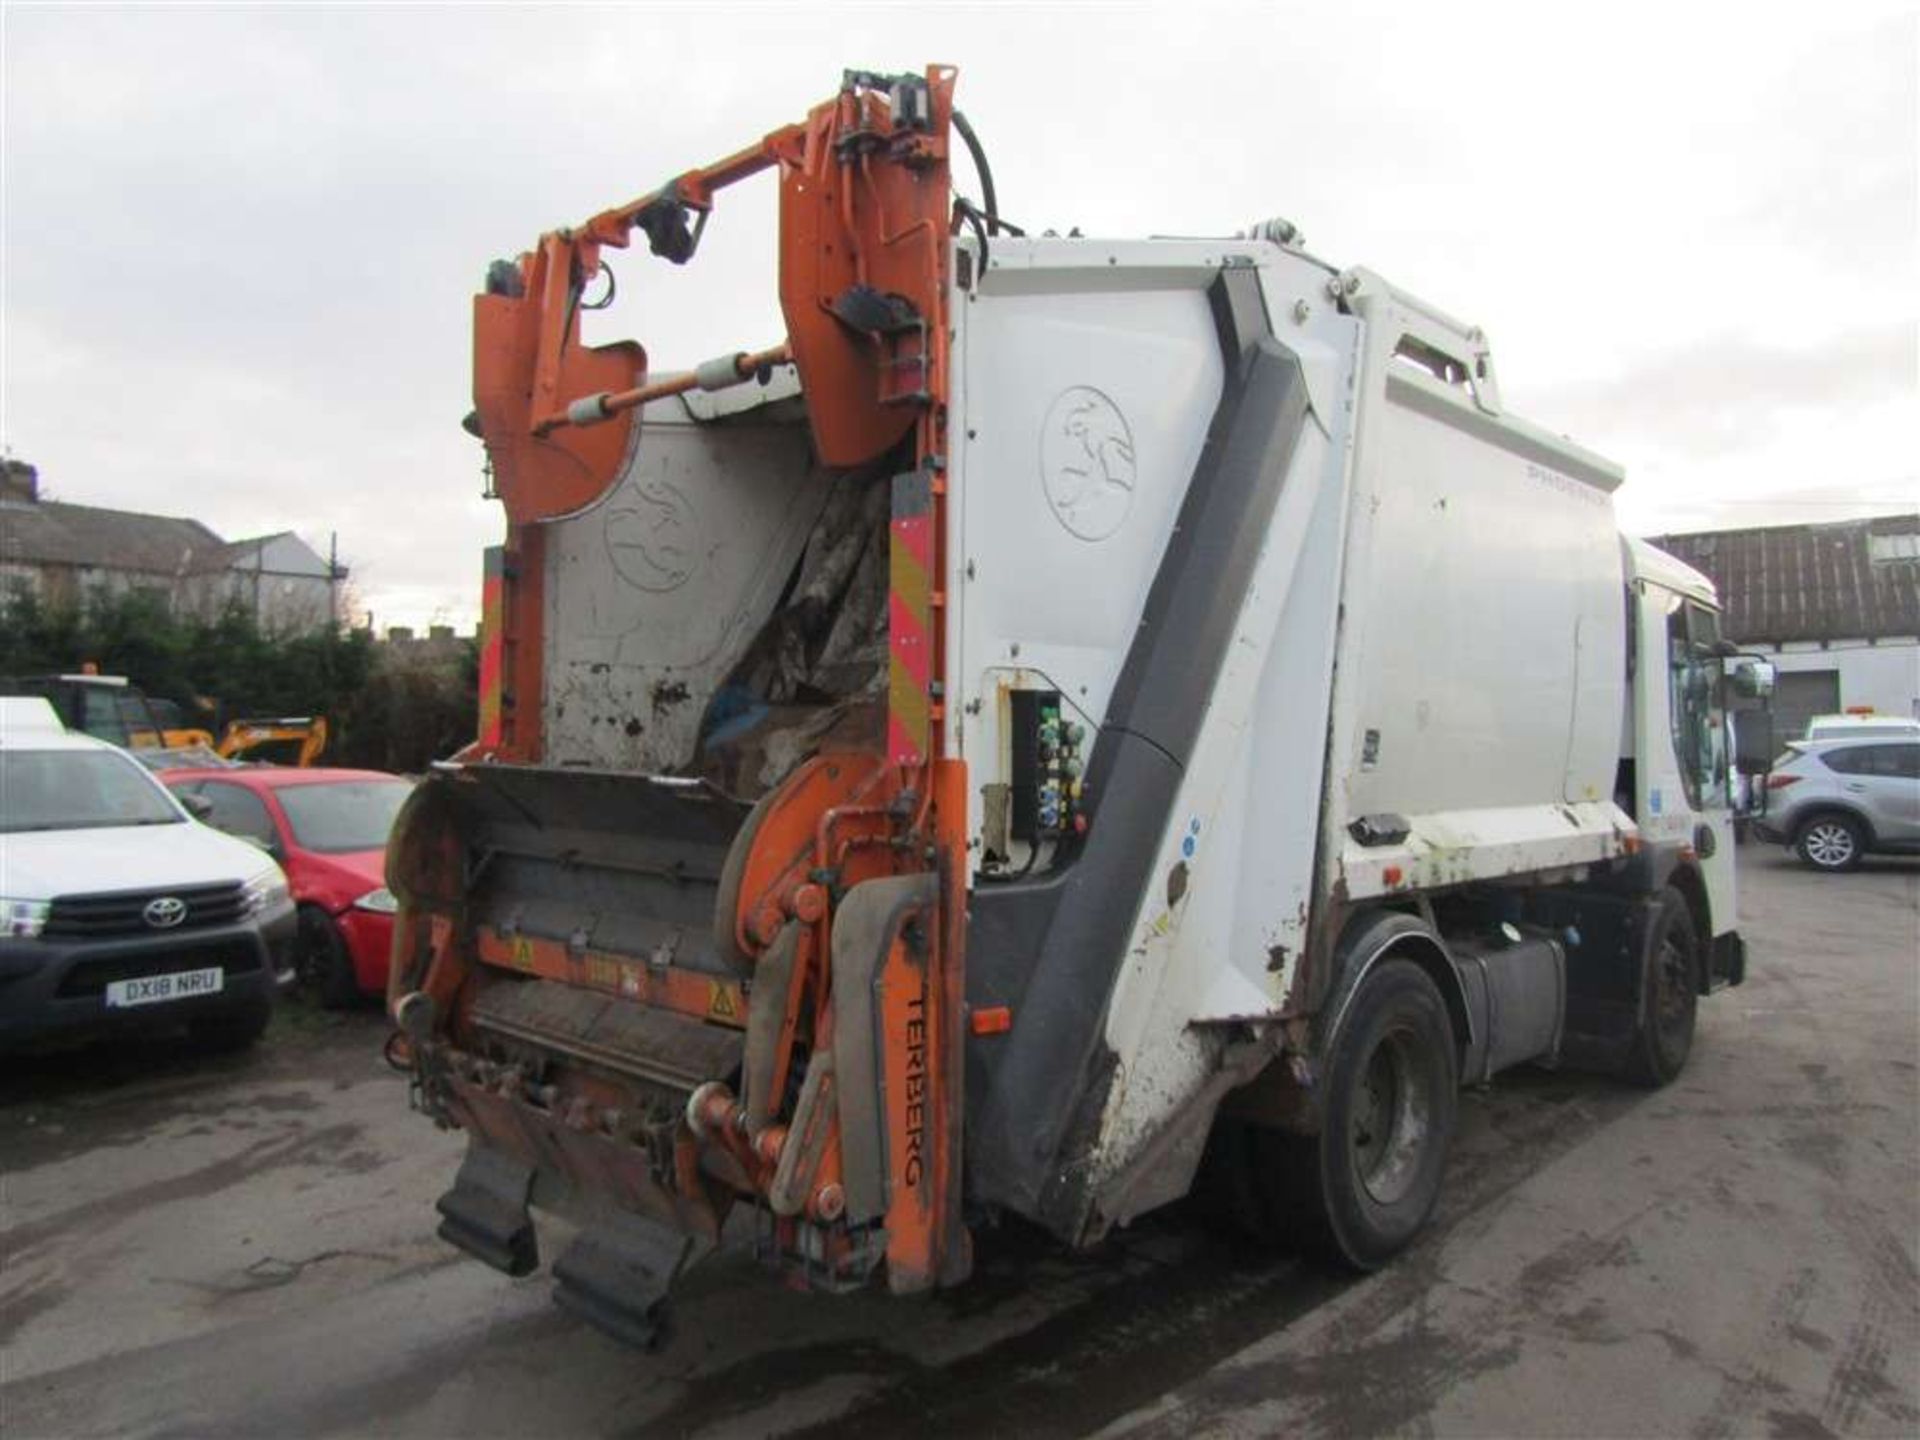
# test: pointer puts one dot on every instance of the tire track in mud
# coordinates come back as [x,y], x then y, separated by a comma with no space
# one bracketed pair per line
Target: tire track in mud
[48,1135]
[1059,1377]
[1334,1392]
[1133,1341]
[38,1274]
[328,1144]
[1888,1316]
[172,1407]
[1813,1134]
[1742,1390]
[1383,1364]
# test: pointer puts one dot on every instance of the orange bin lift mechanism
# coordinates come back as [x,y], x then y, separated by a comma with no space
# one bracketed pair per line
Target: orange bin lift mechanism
[865,251]
[846,814]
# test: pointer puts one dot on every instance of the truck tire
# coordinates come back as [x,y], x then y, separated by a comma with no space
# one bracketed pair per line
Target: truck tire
[1672,992]
[325,964]
[1362,1188]
[1831,842]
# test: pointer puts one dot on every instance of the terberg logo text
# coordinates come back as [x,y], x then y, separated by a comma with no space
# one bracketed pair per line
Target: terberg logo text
[916,1088]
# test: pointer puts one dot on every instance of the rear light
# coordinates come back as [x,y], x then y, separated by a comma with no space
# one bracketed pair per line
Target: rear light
[1780,782]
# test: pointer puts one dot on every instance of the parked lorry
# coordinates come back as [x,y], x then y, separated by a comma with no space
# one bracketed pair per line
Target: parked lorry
[1075,717]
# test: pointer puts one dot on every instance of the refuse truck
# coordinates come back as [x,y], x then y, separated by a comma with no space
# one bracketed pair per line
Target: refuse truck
[1071,722]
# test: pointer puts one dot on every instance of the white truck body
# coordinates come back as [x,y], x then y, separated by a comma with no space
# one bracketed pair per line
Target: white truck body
[1435,628]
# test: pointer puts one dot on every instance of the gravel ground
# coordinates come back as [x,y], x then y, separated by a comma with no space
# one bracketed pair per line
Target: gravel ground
[246,1247]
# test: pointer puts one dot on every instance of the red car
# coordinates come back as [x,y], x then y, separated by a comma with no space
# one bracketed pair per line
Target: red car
[328,829]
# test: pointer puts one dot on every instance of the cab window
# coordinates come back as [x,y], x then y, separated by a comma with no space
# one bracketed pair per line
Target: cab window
[1699,720]
[136,721]
[100,715]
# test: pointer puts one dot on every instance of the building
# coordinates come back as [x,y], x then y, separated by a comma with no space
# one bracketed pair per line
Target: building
[442,647]
[1836,607]
[63,553]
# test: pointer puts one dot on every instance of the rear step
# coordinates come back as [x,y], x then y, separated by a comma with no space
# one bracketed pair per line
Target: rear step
[616,1276]
[485,1213]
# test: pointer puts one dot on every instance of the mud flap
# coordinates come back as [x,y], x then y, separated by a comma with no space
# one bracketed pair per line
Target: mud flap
[616,1276]
[485,1213]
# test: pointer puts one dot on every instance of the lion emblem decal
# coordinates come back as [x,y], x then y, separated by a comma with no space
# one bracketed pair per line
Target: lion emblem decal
[1086,462]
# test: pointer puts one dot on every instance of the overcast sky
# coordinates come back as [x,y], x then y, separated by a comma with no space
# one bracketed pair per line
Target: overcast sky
[239,243]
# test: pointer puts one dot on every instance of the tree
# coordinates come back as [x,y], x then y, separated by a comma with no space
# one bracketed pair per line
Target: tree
[380,710]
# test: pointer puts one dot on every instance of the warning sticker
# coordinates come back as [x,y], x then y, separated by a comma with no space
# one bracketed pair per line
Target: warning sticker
[523,952]
[722,1002]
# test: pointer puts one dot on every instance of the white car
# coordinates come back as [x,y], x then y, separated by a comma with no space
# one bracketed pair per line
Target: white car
[1834,801]
[119,910]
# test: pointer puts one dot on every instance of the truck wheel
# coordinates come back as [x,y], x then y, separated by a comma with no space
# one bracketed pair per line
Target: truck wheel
[1830,842]
[1665,1037]
[326,964]
[1392,1083]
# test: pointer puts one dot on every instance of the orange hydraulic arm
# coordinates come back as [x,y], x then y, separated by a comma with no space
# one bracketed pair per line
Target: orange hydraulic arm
[865,222]
[864,228]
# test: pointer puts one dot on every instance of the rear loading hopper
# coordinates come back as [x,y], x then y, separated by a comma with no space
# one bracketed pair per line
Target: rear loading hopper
[680,930]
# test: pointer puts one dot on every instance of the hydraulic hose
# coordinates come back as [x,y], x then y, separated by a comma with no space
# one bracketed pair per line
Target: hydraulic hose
[989,200]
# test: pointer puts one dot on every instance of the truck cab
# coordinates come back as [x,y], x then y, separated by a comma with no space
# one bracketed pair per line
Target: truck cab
[1699,741]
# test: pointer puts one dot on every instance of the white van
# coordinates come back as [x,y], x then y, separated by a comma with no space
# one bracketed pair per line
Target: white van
[119,910]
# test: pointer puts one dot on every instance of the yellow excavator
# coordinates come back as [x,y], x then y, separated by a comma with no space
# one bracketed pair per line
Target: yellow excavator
[111,708]
[289,740]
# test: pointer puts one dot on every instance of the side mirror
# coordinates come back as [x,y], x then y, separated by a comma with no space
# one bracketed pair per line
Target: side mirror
[197,806]
[1751,678]
[1753,747]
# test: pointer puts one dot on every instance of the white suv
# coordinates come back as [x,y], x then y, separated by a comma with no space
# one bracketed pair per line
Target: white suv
[118,909]
[1836,800]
